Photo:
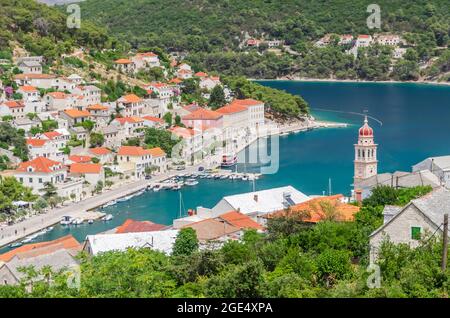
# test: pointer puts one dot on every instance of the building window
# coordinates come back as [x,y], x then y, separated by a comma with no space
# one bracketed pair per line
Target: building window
[40,180]
[415,232]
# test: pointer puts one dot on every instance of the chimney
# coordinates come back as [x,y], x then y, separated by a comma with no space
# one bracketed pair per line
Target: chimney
[255,197]
[358,195]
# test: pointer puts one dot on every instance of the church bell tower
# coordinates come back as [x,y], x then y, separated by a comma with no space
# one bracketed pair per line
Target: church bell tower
[365,162]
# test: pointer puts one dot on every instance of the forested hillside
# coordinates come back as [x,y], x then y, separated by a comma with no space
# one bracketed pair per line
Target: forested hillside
[43,30]
[202,25]
[213,33]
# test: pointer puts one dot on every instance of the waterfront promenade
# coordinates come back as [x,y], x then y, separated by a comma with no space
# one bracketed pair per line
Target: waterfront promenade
[12,233]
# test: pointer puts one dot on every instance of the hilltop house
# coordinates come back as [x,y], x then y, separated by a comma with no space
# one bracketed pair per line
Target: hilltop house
[30,67]
[45,81]
[411,223]
[125,65]
[13,108]
[129,127]
[130,105]
[75,116]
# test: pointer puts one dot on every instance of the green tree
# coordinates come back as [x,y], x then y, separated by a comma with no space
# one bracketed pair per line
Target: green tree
[96,139]
[186,242]
[217,98]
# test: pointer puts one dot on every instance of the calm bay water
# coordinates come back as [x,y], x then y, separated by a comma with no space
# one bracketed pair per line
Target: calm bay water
[414,123]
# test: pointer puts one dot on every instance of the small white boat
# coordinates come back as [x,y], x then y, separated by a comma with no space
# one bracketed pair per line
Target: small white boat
[191,182]
[15,244]
[77,221]
[108,217]
[49,229]
[176,187]
[244,178]
[66,220]
[30,238]
[90,221]
[109,204]
[156,188]
[224,176]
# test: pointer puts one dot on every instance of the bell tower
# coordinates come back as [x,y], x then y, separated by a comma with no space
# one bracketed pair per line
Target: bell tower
[365,162]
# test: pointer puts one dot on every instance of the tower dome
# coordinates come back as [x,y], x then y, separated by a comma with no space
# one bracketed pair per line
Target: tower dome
[366,130]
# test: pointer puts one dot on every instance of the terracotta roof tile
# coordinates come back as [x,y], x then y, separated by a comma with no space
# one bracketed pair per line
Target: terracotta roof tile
[203,114]
[90,168]
[130,98]
[133,226]
[100,151]
[36,142]
[40,164]
[75,113]
[80,159]
[157,152]
[314,210]
[132,151]
[66,242]
[240,220]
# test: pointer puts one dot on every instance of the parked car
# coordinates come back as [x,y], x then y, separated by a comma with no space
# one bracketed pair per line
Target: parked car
[201,169]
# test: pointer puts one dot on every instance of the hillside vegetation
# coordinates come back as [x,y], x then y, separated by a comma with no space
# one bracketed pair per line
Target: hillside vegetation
[212,32]
[43,30]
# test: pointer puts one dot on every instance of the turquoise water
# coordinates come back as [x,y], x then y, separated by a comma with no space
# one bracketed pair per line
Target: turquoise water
[415,125]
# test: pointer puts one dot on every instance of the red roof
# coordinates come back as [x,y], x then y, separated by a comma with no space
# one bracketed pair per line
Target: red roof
[315,210]
[51,134]
[96,107]
[131,120]
[65,242]
[231,109]
[240,220]
[176,80]
[155,119]
[246,102]
[14,104]
[57,95]
[28,88]
[203,114]
[80,159]
[36,142]
[91,168]
[201,74]
[123,61]
[182,132]
[100,151]
[133,151]
[40,164]
[130,98]
[156,152]
[132,226]
[75,113]
[366,130]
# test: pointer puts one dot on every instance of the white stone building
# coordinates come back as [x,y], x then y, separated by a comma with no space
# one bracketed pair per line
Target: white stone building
[413,222]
